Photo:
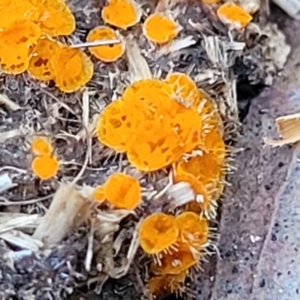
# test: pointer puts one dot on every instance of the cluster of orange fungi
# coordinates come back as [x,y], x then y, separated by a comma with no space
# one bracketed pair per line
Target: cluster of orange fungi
[176,244]
[45,164]
[171,124]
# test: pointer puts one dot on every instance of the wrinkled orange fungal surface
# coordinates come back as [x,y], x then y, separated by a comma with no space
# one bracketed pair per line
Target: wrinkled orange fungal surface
[73,68]
[40,66]
[106,53]
[121,13]
[122,191]
[16,44]
[55,17]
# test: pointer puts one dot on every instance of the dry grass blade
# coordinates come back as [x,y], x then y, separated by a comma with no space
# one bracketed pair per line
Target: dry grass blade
[288,128]
[67,211]
[138,66]
[9,103]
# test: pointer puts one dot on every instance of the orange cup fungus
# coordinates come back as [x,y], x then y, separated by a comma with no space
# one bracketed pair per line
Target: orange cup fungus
[12,11]
[122,191]
[175,263]
[121,13]
[233,15]
[16,43]
[160,29]
[55,18]
[106,53]
[149,106]
[40,66]
[193,230]
[166,283]
[73,68]
[98,193]
[41,146]
[157,233]
[45,166]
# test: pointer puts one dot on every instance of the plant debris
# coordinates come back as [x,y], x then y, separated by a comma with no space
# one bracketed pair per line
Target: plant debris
[157,113]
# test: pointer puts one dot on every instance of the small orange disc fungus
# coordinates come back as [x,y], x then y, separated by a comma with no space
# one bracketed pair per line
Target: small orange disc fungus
[121,13]
[55,18]
[98,193]
[160,29]
[45,166]
[73,68]
[193,230]
[233,15]
[41,146]
[40,66]
[157,233]
[185,89]
[15,46]
[12,11]
[108,53]
[122,191]
[176,262]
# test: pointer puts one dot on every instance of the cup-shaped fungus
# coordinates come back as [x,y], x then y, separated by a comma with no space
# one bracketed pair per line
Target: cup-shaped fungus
[175,262]
[55,17]
[160,29]
[185,89]
[193,229]
[106,53]
[73,68]
[15,46]
[41,146]
[115,128]
[158,232]
[12,11]
[122,191]
[157,285]
[45,166]
[172,128]
[121,13]
[40,66]
[233,15]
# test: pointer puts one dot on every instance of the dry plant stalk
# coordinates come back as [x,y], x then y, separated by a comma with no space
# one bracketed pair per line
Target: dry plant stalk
[289,130]
[67,210]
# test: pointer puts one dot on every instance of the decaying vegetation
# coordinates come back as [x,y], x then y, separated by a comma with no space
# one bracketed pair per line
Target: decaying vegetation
[114,157]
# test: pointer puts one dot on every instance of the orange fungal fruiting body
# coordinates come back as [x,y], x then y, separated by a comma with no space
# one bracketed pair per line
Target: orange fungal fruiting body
[98,193]
[55,18]
[115,128]
[121,13]
[41,146]
[160,29]
[40,66]
[149,106]
[175,262]
[73,68]
[193,229]
[106,53]
[16,44]
[233,15]
[157,233]
[123,191]
[45,166]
